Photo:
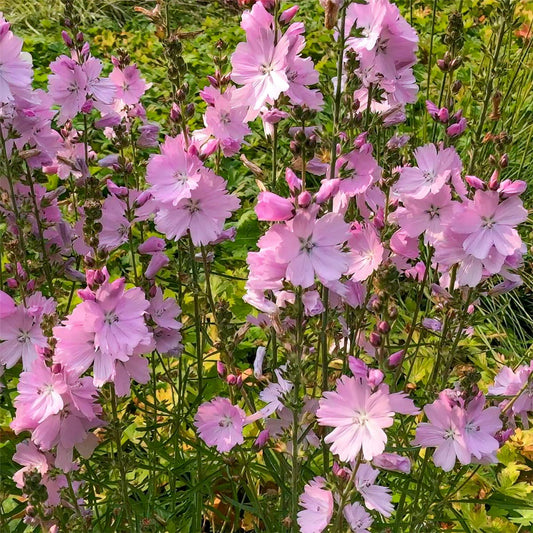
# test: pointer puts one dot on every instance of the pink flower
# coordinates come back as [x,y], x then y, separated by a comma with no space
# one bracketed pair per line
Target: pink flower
[393,461]
[41,391]
[136,368]
[274,394]
[433,171]
[203,213]
[366,252]
[317,503]
[273,208]
[487,222]
[22,336]
[312,303]
[164,311]
[29,456]
[101,330]
[225,119]
[174,173]
[510,382]
[362,169]
[375,496]
[309,246]
[429,215]
[7,305]
[481,426]
[129,84]
[260,65]
[15,70]
[358,416]
[357,517]
[445,431]
[220,423]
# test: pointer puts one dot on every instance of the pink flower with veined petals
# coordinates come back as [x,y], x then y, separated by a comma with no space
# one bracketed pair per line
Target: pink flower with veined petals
[481,427]
[40,391]
[510,382]
[317,503]
[31,458]
[358,518]
[15,72]
[21,335]
[358,416]
[376,496]
[366,252]
[225,119]
[445,431]
[260,66]
[220,423]
[202,214]
[102,330]
[129,84]
[311,246]
[174,173]
[434,169]
[363,171]
[487,222]
[429,215]
[68,87]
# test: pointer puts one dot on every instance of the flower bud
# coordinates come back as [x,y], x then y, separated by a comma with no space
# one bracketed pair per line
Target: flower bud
[12,283]
[288,14]
[504,161]
[221,369]
[273,208]
[231,379]
[159,260]
[375,339]
[67,39]
[476,183]
[494,181]
[304,199]
[395,359]
[262,439]
[152,245]
[383,327]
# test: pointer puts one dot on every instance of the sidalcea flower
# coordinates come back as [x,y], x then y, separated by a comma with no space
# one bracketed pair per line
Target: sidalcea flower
[445,431]
[376,496]
[15,69]
[273,208]
[434,169]
[220,423]
[317,503]
[393,461]
[202,213]
[481,426]
[358,518]
[311,246]
[260,65]
[59,411]
[21,334]
[517,383]
[174,173]
[366,252]
[359,417]
[488,222]
[108,326]
[225,119]
[129,84]
[428,216]
[41,391]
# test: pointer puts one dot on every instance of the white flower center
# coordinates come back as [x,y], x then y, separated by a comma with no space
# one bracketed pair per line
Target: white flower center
[225,422]
[110,317]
